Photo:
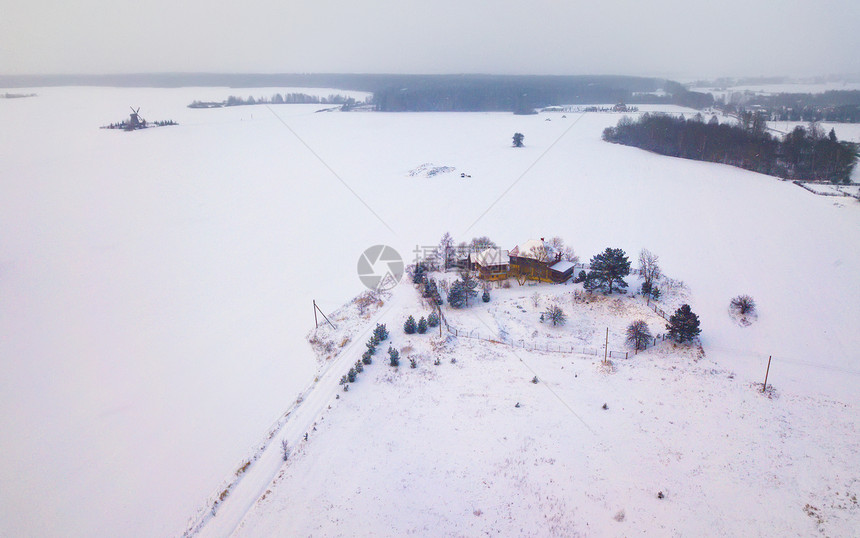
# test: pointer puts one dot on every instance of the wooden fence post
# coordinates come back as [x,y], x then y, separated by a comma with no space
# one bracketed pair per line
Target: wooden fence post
[764,387]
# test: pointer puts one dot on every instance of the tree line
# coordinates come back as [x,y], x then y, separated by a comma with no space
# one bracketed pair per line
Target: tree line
[277,99]
[805,153]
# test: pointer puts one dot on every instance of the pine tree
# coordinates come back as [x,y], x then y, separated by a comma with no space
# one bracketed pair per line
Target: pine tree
[380,332]
[433,320]
[683,325]
[351,375]
[393,356]
[608,269]
[409,327]
[518,140]
[422,325]
[462,290]
[486,296]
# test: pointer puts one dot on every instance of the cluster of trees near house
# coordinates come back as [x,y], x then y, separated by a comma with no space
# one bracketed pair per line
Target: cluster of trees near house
[805,153]
[277,99]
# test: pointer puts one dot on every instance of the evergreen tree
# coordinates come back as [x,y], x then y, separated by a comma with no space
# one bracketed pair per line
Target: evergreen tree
[393,356]
[486,296]
[380,332]
[351,375]
[409,327]
[683,325]
[462,290]
[367,357]
[433,320]
[518,140]
[608,269]
[422,325]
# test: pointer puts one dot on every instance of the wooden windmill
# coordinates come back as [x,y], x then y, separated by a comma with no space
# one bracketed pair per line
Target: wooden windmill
[135,121]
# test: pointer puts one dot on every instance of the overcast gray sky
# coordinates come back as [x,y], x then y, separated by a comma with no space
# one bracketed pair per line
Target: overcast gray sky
[649,37]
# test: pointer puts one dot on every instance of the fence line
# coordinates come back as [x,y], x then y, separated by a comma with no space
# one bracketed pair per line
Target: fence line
[533,346]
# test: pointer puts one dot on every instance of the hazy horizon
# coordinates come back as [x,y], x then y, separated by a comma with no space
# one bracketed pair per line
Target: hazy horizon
[665,38]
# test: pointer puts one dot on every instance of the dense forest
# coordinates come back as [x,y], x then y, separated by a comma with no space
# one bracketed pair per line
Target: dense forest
[805,153]
[836,106]
[524,94]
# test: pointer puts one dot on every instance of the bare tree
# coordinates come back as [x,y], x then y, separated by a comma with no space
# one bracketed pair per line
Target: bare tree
[536,299]
[743,305]
[649,267]
[638,334]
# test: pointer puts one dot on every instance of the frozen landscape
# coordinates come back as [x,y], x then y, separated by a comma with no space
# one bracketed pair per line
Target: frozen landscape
[157,288]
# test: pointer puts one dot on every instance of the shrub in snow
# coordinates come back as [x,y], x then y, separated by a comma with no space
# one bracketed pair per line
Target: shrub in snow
[367,358]
[359,367]
[518,140]
[655,292]
[380,333]
[535,380]
[608,269]
[555,314]
[343,380]
[346,388]
[437,362]
[394,356]
[351,375]
[422,326]
[413,363]
[536,299]
[638,334]
[683,325]
[285,449]
[433,320]
[743,305]
[486,296]
[580,277]
[409,327]
[371,347]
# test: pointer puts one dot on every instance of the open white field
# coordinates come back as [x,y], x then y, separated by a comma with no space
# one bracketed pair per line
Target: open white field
[156,286]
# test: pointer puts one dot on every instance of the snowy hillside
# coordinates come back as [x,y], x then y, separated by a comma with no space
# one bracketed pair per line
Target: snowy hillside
[157,285]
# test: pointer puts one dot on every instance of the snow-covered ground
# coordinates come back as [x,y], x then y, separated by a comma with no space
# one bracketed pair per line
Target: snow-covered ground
[156,286]
[684,447]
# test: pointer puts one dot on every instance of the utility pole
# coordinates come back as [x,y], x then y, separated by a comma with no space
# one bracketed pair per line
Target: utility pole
[606,348]
[764,387]
[316,323]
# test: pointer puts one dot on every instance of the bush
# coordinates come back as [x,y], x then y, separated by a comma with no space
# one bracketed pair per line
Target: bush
[409,327]
[580,277]
[367,357]
[413,363]
[351,375]
[743,305]
[433,320]
[359,366]
[394,356]
[486,296]
[555,314]
[422,325]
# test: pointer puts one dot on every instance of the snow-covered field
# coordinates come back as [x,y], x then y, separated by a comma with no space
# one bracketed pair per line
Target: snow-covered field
[156,289]
[684,447]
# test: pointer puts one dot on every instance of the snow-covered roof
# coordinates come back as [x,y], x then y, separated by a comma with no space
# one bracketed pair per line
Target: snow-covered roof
[562,266]
[491,256]
[527,247]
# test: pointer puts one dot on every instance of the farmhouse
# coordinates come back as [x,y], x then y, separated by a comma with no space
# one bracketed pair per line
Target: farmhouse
[490,264]
[534,260]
